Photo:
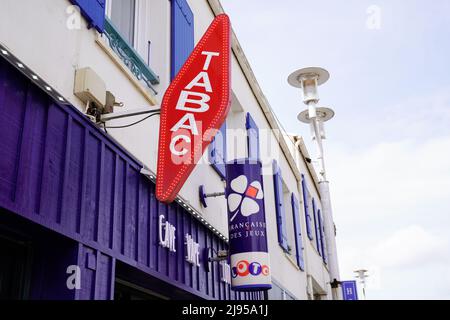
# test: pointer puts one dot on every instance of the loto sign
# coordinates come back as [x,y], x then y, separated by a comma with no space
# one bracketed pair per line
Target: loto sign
[194,107]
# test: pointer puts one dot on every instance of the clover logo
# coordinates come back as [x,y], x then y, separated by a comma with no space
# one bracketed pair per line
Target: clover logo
[243,197]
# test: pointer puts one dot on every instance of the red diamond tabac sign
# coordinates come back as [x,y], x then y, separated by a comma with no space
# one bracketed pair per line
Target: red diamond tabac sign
[193,109]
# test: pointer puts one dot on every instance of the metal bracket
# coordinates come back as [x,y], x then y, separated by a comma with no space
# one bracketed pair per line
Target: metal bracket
[203,195]
[209,256]
[335,283]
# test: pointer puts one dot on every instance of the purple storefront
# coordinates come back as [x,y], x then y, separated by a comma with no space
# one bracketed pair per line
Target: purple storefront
[78,220]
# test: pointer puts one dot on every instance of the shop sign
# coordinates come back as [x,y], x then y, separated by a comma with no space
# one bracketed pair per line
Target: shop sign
[193,109]
[192,251]
[349,290]
[250,267]
[166,234]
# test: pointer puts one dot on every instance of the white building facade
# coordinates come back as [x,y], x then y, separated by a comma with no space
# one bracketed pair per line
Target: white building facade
[136,47]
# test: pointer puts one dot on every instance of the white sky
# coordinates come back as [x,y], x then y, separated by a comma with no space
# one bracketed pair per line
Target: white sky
[388,148]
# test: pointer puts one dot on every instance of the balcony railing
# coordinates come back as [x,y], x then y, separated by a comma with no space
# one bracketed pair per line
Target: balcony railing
[130,57]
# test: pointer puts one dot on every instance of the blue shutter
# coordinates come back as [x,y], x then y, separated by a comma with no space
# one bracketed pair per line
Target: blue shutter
[252,138]
[306,197]
[316,228]
[323,244]
[182,34]
[93,11]
[279,206]
[298,232]
[218,151]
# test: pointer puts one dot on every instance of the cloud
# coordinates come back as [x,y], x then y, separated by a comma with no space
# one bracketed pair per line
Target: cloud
[420,117]
[391,183]
[391,208]
[408,255]
[411,247]
[388,152]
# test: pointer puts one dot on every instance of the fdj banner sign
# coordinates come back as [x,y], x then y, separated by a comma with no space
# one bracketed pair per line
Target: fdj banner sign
[194,107]
[250,268]
[349,290]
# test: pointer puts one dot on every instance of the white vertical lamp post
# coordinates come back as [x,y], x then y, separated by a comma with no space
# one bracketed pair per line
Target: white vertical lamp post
[308,79]
[362,275]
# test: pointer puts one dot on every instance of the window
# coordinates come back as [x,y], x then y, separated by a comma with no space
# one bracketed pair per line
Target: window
[182,34]
[252,138]
[279,207]
[317,227]
[306,202]
[290,232]
[297,232]
[93,12]
[217,151]
[323,243]
[123,13]
[278,292]
[120,30]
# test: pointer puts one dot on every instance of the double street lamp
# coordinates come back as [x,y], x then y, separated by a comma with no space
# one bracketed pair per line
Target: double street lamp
[308,80]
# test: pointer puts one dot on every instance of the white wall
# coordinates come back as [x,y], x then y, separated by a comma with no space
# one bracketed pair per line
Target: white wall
[42,40]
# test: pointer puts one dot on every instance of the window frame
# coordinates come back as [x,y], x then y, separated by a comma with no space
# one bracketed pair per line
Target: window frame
[316,226]
[220,168]
[252,131]
[136,33]
[298,234]
[306,208]
[280,211]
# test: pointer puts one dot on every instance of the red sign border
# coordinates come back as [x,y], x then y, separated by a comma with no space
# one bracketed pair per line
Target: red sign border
[168,193]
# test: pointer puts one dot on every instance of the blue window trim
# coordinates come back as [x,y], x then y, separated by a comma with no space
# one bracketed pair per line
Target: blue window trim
[308,221]
[279,207]
[130,56]
[252,138]
[322,237]
[93,11]
[298,232]
[182,35]
[218,152]
[316,227]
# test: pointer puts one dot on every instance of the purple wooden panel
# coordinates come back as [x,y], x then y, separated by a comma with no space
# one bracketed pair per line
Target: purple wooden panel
[135,215]
[187,228]
[119,205]
[180,276]
[72,195]
[87,290]
[163,254]
[97,274]
[91,193]
[173,257]
[104,280]
[210,275]
[143,224]
[106,201]
[153,226]
[223,285]
[128,213]
[59,170]
[31,154]
[196,270]
[53,165]
[215,269]
[202,269]
[12,109]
